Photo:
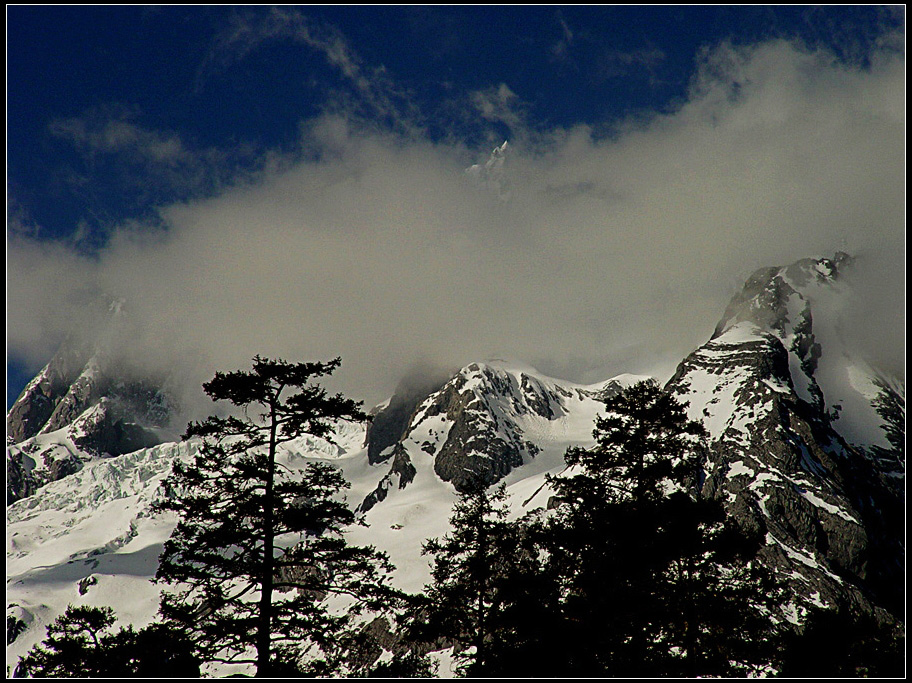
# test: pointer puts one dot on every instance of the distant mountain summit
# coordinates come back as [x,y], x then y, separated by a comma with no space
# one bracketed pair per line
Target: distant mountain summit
[86,402]
[491,174]
[486,421]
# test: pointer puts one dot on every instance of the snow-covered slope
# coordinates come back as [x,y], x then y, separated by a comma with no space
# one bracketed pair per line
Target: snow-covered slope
[494,421]
[89,538]
[490,419]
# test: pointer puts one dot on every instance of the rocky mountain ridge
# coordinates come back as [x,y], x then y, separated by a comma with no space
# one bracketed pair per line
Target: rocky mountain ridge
[486,421]
[832,510]
[831,506]
[85,403]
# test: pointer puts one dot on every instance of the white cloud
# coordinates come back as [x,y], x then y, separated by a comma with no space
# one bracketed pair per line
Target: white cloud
[609,251]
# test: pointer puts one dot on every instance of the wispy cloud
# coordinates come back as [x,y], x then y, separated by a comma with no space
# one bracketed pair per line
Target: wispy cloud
[618,63]
[113,132]
[561,48]
[499,104]
[377,94]
[119,156]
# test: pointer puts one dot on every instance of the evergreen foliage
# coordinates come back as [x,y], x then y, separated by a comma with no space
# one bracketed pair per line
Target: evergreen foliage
[404,665]
[259,548]
[717,606]
[81,644]
[71,641]
[645,447]
[654,579]
[892,408]
[629,573]
[838,642]
[471,603]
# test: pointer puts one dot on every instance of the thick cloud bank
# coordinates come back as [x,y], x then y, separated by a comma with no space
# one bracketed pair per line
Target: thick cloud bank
[608,253]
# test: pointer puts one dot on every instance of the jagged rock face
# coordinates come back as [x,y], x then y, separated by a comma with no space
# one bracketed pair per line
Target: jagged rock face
[61,395]
[389,425]
[833,519]
[85,398]
[39,400]
[20,482]
[401,473]
[772,299]
[766,296]
[486,421]
[115,427]
[483,441]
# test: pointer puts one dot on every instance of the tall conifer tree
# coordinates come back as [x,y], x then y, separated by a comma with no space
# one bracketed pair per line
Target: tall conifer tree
[258,547]
[469,602]
[654,579]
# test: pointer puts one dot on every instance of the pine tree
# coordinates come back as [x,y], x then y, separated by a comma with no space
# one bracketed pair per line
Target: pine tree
[653,579]
[840,642]
[81,644]
[645,447]
[70,646]
[717,606]
[466,604]
[525,626]
[258,547]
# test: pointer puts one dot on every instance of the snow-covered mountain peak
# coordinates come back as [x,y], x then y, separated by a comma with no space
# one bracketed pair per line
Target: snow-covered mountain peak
[489,420]
[96,402]
[491,174]
[771,386]
[801,304]
[779,298]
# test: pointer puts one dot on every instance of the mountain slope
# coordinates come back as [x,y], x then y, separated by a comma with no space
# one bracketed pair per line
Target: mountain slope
[84,404]
[832,510]
[490,419]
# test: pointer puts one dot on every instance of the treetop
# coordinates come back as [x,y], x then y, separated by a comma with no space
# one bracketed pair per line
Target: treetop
[266,380]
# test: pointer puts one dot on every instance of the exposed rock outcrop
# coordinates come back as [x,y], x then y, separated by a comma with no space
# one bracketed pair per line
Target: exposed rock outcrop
[390,424]
[832,515]
[486,421]
[87,402]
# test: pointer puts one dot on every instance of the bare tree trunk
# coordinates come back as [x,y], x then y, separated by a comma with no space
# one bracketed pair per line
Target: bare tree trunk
[264,629]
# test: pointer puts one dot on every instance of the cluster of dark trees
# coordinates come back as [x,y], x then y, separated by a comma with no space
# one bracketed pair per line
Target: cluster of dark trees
[629,572]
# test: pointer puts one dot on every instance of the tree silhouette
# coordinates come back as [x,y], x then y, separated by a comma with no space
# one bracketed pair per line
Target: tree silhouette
[717,606]
[81,644]
[645,448]
[259,548]
[469,604]
[839,642]
[71,642]
[653,579]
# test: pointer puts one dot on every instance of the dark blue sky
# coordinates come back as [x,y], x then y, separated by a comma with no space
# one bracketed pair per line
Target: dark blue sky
[115,111]
[165,69]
